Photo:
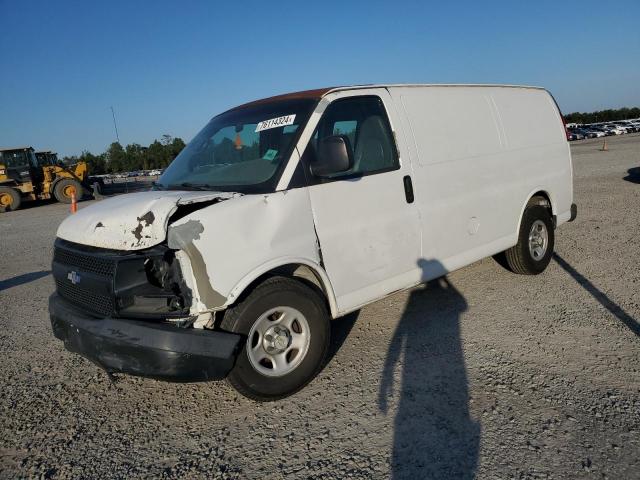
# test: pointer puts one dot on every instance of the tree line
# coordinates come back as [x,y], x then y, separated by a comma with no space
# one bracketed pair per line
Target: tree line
[134,156]
[610,115]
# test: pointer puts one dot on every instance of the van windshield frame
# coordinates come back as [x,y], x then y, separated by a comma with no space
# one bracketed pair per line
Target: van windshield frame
[244,150]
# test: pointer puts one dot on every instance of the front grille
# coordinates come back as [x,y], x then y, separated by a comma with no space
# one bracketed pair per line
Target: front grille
[87,299]
[85,278]
[86,263]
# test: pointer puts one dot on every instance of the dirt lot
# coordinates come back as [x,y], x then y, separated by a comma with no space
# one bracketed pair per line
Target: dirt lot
[487,374]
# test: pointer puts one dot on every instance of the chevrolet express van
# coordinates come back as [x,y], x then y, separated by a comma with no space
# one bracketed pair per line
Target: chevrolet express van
[284,213]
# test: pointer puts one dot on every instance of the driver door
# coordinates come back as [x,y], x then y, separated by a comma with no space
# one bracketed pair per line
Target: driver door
[365,218]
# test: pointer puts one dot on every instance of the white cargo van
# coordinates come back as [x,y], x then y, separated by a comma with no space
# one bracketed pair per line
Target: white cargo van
[289,211]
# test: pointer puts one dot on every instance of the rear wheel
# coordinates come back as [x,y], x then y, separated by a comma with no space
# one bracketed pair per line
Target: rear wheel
[66,188]
[10,198]
[532,253]
[286,329]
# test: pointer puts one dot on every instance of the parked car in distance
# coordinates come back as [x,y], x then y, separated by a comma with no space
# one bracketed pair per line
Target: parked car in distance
[587,133]
[574,135]
[615,129]
[605,130]
[628,127]
[596,133]
[284,213]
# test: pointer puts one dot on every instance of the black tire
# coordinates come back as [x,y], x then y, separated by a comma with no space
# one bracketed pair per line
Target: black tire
[240,318]
[10,198]
[519,258]
[63,188]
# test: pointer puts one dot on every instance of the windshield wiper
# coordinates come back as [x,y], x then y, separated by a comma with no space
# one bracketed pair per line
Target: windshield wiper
[190,186]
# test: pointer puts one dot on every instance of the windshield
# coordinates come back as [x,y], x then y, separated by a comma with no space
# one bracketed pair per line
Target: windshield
[242,150]
[16,158]
[43,159]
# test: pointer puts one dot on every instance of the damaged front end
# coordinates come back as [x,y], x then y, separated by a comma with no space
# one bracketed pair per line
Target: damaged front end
[128,309]
[130,262]
[144,284]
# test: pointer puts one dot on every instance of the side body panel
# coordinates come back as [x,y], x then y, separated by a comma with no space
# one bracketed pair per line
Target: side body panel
[536,138]
[479,153]
[231,243]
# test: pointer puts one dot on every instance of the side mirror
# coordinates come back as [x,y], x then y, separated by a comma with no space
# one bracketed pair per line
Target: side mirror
[334,156]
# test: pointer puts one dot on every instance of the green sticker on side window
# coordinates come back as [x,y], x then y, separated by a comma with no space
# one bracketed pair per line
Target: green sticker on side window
[270,154]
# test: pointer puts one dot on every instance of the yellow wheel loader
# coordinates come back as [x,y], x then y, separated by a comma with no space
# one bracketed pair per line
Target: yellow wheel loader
[26,176]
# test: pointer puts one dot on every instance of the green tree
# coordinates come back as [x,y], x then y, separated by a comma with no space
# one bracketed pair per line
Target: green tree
[157,155]
[132,157]
[115,157]
[95,163]
[176,147]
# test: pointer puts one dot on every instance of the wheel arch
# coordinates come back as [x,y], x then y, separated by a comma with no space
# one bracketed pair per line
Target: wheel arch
[538,196]
[296,268]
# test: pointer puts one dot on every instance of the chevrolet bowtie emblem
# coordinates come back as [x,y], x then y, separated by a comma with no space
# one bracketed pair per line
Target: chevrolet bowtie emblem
[73,277]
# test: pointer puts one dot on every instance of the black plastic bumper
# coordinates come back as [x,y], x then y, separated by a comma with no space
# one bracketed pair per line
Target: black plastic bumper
[143,348]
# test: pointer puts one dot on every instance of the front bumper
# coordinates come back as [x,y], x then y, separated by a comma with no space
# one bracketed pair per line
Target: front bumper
[144,348]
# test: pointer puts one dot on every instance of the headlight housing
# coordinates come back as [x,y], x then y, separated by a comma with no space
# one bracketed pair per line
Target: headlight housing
[151,286]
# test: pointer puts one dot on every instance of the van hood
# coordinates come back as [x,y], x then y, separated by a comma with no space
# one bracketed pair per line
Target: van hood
[133,221]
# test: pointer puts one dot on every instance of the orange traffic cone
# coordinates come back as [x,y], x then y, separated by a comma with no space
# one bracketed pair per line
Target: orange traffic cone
[604,148]
[74,203]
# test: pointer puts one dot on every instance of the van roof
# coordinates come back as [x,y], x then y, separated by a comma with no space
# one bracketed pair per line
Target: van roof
[318,93]
[391,85]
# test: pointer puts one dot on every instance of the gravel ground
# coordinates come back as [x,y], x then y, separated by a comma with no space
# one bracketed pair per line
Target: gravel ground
[483,374]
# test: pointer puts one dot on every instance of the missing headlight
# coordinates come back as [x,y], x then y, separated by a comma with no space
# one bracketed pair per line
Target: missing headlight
[151,285]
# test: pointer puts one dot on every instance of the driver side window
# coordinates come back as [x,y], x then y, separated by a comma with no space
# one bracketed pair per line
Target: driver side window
[363,122]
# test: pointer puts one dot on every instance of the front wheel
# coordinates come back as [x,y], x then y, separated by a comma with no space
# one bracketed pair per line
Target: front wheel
[532,253]
[286,328]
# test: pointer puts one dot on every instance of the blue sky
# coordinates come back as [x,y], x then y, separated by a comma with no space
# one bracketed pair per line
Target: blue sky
[167,67]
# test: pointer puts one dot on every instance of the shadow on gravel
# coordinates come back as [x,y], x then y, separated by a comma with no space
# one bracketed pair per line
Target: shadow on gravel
[599,295]
[434,437]
[633,175]
[340,329]
[34,204]
[21,279]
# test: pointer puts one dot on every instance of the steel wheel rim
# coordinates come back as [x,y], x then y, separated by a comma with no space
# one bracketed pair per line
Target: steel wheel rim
[69,190]
[5,199]
[538,240]
[278,341]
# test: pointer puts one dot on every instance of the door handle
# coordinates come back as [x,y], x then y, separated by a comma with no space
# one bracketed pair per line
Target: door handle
[408,189]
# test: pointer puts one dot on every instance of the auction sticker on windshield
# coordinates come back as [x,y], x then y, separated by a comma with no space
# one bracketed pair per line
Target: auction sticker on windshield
[275,122]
